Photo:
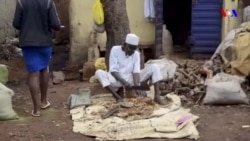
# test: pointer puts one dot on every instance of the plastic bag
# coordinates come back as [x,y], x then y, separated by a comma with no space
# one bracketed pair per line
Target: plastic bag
[81,98]
[167,42]
[225,89]
[240,65]
[6,111]
[246,14]
[4,74]
[100,64]
[98,13]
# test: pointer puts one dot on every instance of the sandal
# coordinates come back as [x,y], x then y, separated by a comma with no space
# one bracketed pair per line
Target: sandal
[35,115]
[46,106]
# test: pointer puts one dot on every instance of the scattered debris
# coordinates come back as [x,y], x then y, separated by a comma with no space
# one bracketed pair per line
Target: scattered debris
[9,49]
[245,126]
[111,112]
[132,108]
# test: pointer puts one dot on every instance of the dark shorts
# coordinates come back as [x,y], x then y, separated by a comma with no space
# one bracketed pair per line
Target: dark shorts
[36,58]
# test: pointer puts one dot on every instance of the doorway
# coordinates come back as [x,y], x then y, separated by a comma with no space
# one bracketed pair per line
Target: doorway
[177,16]
[61,47]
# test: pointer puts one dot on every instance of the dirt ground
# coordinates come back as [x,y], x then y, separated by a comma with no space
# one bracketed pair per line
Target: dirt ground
[215,124]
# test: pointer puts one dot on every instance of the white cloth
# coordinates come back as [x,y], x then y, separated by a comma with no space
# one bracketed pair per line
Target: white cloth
[151,71]
[246,14]
[132,39]
[149,10]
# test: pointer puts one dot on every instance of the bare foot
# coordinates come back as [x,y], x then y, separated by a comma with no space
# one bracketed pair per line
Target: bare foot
[160,101]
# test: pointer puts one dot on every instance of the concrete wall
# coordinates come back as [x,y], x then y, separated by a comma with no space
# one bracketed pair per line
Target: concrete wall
[229,23]
[7,9]
[81,25]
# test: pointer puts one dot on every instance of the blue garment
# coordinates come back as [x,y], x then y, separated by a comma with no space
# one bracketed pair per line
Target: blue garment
[36,58]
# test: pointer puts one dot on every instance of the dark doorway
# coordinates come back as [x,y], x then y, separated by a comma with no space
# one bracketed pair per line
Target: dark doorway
[177,17]
[61,48]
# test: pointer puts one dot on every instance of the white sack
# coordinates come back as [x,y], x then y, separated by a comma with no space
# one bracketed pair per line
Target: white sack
[6,111]
[167,67]
[225,89]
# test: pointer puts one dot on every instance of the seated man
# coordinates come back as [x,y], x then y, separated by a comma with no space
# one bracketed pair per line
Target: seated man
[124,70]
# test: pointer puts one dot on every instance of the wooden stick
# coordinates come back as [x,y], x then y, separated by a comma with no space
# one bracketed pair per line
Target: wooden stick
[195,76]
[184,73]
[111,112]
[200,97]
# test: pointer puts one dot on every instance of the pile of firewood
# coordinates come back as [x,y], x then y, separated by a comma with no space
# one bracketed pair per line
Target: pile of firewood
[188,81]
[190,77]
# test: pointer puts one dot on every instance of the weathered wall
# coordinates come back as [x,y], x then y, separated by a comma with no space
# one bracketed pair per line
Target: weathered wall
[229,23]
[7,9]
[81,25]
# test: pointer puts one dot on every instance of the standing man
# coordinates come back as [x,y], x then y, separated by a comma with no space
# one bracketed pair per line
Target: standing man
[35,20]
[124,70]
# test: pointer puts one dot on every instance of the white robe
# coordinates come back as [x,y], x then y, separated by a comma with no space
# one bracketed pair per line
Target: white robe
[126,66]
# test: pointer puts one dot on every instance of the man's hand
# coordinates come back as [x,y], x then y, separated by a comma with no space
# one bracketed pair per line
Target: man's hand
[141,93]
[126,85]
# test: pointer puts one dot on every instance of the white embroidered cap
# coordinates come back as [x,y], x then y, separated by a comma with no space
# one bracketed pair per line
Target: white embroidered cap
[132,39]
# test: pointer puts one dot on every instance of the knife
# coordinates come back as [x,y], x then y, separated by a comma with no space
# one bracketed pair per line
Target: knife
[142,87]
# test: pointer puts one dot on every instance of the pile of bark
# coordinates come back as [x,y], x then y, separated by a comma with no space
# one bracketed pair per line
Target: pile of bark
[135,109]
[188,81]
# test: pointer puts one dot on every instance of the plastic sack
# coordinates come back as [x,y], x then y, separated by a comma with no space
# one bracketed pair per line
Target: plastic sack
[4,74]
[167,67]
[98,13]
[167,42]
[100,64]
[6,111]
[246,14]
[240,65]
[225,89]
[88,70]
[227,42]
